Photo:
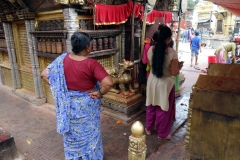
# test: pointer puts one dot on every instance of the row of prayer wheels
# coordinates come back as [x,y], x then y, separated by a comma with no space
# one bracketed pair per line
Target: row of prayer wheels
[102,44]
[50,46]
[3,43]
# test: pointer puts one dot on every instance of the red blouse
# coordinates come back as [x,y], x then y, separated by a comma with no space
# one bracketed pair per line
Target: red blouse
[83,75]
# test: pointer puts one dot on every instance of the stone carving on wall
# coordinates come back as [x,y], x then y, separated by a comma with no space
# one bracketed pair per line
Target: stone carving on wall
[50,25]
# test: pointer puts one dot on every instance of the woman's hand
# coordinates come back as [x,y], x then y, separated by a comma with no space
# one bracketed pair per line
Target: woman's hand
[180,65]
[95,95]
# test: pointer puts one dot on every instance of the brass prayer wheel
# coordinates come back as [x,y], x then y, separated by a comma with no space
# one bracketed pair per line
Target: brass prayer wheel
[59,46]
[53,46]
[1,44]
[105,43]
[39,46]
[49,47]
[110,46]
[44,48]
[99,44]
[94,45]
[4,43]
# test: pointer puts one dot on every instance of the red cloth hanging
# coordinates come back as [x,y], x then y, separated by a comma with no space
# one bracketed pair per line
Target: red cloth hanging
[118,14]
[112,14]
[155,14]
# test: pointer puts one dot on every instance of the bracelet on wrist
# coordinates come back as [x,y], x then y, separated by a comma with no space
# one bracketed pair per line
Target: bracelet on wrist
[101,94]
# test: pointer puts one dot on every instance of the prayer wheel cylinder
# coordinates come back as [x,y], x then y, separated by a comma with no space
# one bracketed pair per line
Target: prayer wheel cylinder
[49,47]
[110,40]
[39,46]
[44,48]
[59,46]
[53,45]
[94,45]
[100,44]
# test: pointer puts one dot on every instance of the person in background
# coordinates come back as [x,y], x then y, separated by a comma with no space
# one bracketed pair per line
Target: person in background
[195,46]
[184,36]
[160,97]
[221,52]
[73,79]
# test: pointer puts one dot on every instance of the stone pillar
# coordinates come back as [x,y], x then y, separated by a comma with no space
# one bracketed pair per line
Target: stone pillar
[71,24]
[12,55]
[123,41]
[137,142]
[1,76]
[34,59]
[116,56]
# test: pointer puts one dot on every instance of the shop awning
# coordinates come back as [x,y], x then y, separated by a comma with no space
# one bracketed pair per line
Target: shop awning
[204,20]
[230,5]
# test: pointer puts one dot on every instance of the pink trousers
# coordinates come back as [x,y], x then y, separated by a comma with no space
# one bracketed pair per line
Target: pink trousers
[162,118]
[219,57]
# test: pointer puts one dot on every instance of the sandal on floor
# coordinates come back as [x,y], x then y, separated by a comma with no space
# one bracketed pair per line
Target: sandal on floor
[197,68]
[148,132]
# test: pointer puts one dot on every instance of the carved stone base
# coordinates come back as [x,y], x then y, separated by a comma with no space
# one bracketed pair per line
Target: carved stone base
[29,96]
[124,108]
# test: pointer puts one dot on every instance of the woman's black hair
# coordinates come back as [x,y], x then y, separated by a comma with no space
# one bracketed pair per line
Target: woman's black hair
[160,52]
[171,44]
[79,41]
[155,38]
[161,26]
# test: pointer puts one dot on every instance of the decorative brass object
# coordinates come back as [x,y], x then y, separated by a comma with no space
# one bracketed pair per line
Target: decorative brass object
[122,77]
[61,2]
[59,46]
[53,45]
[81,2]
[137,142]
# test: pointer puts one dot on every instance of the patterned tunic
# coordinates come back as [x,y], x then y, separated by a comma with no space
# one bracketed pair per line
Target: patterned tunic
[77,116]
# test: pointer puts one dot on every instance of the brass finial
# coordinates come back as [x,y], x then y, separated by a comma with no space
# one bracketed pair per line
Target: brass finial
[137,129]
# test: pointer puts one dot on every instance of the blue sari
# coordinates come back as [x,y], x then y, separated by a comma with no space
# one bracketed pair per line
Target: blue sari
[77,116]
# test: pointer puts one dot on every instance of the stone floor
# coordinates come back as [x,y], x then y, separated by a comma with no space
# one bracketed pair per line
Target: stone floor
[34,128]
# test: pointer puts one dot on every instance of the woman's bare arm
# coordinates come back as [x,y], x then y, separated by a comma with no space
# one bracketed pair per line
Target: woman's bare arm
[106,85]
[44,75]
[175,67]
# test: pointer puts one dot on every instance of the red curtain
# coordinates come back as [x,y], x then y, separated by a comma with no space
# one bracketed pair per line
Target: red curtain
[112,14]
[118,14]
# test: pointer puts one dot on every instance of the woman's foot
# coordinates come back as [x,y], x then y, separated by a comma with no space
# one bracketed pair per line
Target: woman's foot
[168,137]
[148,132]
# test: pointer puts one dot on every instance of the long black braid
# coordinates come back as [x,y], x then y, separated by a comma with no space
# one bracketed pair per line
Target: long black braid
[160,51]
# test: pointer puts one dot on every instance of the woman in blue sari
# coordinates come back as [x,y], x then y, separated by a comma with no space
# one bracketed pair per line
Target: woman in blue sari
[73,79]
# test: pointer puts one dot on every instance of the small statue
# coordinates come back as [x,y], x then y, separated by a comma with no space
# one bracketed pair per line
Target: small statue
[122,77]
